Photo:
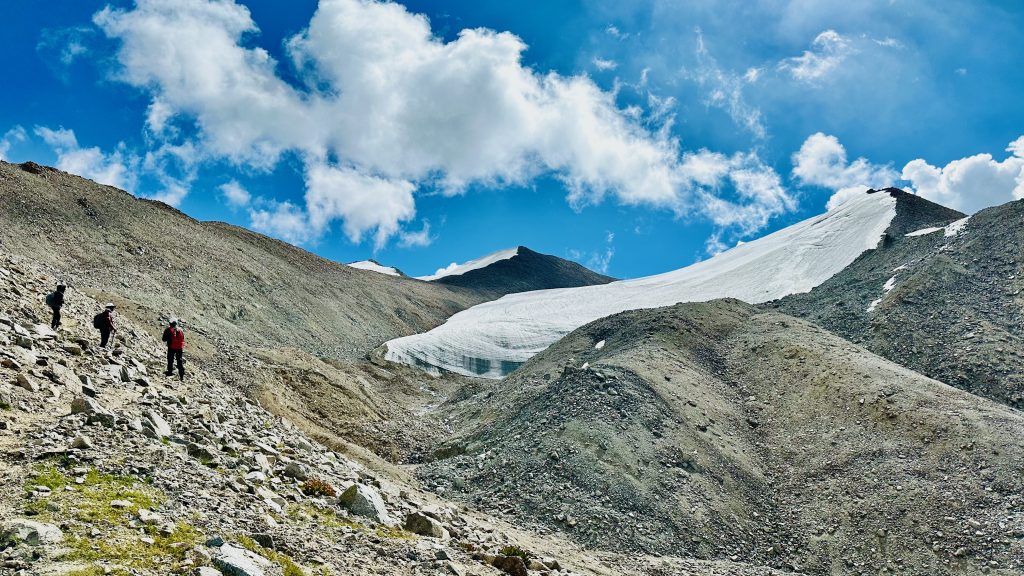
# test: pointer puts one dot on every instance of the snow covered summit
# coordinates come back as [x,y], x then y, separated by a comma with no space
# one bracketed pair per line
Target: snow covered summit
[374,266]
[494,338]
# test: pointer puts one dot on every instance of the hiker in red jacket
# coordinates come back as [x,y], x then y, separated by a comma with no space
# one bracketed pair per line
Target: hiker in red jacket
[175,339]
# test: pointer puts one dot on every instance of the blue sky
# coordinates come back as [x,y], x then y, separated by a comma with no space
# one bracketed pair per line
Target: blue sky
[633,137]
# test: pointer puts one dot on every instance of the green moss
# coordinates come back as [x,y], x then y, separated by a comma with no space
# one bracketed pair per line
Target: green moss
[393,533]
[321,516]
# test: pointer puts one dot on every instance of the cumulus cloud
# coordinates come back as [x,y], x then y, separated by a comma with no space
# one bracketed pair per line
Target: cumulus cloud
[235,194]
[972,183]
[11,137]
[828,50]
[822,161]
[603,64]
[115,168]
[384,107]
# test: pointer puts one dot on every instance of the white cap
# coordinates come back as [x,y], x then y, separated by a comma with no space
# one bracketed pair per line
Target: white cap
[109,305]
[173,320]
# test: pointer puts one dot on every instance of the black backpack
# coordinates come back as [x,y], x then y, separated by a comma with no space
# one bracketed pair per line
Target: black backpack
[51,298]
[97,321]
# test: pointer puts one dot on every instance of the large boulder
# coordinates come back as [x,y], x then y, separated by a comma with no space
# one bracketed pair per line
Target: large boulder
[364,500]
[155,425]
[419,523]
[93,409]
[234,560]
[22,531]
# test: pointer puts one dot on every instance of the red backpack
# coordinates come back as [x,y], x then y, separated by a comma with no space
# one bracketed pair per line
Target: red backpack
[177,341]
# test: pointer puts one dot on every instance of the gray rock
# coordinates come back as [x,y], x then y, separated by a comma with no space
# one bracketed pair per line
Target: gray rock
[364,500]
[234,560]
[22,531]
[296,470]
[81,442]
[93,409]
[27,383]
[157,424]
[207,571]
[419,523]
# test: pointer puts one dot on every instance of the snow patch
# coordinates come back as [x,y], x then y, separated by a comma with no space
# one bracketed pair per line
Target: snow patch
[889,284]
[956,227]
[494,338]
[922,232]
[374,266]
[599,345]
[455,269]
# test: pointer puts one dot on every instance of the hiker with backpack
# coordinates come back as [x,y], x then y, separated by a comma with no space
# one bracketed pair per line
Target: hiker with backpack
[55,300]
[175,339]
[104,322]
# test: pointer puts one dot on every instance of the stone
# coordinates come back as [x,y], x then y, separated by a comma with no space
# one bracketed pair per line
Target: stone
[149,517]
[27,383]
[205,454]
[419,523]
[81,442]
[23,531]
[73,349]
[234,560]
[93,409]
[296,470]
[207,571]
[364,500]
[120,504]
[157,424]
[512,565]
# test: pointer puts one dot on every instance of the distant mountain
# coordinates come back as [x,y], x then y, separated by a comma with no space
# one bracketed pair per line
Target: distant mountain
[942,295]
[374,266]
[517,270]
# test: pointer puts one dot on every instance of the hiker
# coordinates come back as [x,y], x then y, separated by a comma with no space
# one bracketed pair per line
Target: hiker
[175,339]
[104,322]
[55,300]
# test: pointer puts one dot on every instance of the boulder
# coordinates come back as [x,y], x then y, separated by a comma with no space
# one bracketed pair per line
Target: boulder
[27,383]
[156,423]
[419,523]
[22,531]
[93,409]
[365,501]
[296,470]
[81,442]
[234,560]
[512,565]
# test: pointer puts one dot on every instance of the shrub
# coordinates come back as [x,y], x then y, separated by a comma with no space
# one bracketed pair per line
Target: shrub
[317,487]
[515,551]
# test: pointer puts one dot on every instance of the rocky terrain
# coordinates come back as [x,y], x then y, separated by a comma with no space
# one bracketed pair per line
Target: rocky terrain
[113,468]
[718,431]
[948,303]
[527,270]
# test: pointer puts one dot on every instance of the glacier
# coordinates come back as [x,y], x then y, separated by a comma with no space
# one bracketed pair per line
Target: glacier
[492,339]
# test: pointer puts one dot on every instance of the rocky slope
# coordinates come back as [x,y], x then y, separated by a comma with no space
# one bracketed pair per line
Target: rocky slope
[227,283]
[945,302]
[112,468]
[718,431]
[526,271]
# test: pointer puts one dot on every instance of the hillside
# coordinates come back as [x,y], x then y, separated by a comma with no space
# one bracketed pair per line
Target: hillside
[717,431]
[522,270]
[226,283]
[944,300]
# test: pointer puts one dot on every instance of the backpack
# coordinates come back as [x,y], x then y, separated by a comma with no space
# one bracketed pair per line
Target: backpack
[98,322]
[51,298]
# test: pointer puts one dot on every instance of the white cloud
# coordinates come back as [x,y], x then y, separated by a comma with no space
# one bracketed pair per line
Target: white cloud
[422,237]
[603,64]
[114,169]
[614,31]
[12,136]
[724,89]
[235,194]
[827,52]
[283,220]
[972,183]
[822,161]
[385,107]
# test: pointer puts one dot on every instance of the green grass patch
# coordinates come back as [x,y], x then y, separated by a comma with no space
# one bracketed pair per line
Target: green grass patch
[515,551]
[127,549]
[97,571]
